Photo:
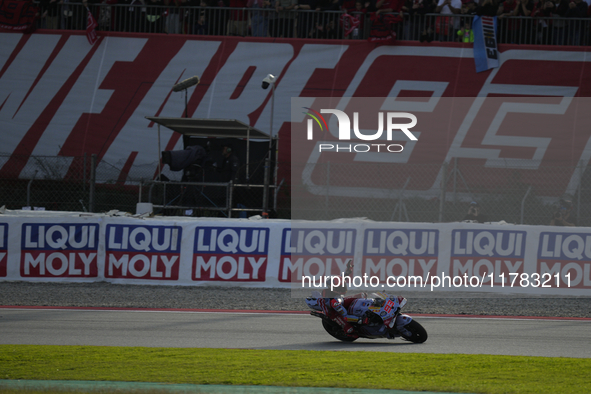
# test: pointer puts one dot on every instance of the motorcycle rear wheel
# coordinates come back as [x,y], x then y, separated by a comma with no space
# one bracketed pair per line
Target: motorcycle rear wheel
[418,333]
[336,331]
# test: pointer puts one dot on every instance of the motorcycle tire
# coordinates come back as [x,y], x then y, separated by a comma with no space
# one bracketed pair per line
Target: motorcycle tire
[336,331]
[419,334]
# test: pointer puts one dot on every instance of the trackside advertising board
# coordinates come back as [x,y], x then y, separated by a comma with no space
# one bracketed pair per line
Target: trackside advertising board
[388,256]
[230,254]
[59,250]
[76,98]
[143,252]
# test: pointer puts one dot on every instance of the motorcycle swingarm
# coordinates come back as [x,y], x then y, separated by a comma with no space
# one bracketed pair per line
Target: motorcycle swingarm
[320,315]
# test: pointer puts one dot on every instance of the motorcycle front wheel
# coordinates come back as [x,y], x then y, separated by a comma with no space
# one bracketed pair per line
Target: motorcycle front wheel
[336,331]
[418,333]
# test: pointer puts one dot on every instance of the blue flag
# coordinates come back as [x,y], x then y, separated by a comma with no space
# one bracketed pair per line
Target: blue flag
[486,54]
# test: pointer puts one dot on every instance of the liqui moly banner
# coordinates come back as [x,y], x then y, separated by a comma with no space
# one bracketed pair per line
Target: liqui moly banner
[143,252]
[482,252]
[400,251]
[58,250]
[315,252]
[391,257]
[232,254]
[564,259]
[486,54]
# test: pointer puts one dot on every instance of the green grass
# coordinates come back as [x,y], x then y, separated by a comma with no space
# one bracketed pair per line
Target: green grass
[429,372]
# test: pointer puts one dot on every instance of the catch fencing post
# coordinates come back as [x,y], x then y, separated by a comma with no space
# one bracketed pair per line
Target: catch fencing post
[523,203]
[29,188]
[326,203]
[455,179]
[581,169]
[443,187]
[92,182]
[84,174]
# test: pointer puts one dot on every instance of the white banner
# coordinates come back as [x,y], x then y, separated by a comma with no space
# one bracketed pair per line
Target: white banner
[62,247]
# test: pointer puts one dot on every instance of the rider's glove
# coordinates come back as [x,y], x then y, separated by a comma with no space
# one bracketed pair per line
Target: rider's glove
[349,270]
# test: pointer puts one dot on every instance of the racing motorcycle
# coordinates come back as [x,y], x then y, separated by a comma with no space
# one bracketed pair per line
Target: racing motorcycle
[380,313]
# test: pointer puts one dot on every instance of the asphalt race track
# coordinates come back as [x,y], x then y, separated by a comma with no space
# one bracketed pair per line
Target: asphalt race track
[529,337]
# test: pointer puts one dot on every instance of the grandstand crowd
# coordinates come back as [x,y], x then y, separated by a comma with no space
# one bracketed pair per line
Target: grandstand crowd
[549,22]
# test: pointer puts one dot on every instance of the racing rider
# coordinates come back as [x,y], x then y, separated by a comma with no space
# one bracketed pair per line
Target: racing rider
[342,310]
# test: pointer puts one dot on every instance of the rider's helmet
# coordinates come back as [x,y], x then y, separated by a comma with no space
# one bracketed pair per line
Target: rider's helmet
[379,302]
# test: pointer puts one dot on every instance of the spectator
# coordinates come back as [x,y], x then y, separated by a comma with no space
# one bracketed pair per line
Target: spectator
[523,8]
[74,12]
[389,6]
[135,15]
[329,30]
[474,214]
[468,8]
[272,18]
[359,13]
[305,18]
[285,17]
[576,9]
[524,27]
[227,165]
[487,8]
[542,8]
[238,23]
[466,34]
[106,15]
[446,26]
[154,16]
[50,12]
[217,17]
[420,25]
[507,27]
[564,215]
[347,6]
[67,15]
[259,22]
[558,25]
[174,16]
[201,25]
[327,20]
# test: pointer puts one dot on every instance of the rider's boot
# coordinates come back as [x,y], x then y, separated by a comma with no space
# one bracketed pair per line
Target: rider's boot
[334,312]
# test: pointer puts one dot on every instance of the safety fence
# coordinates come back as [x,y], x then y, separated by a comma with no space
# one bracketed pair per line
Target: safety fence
[82,184]
[267,22]
[507,192]
[520,194]
[59,183]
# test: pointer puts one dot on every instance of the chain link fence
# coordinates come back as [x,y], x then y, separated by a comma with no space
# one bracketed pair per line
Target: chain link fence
[505,191]
[81,184]
[59,183]
[52,183]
